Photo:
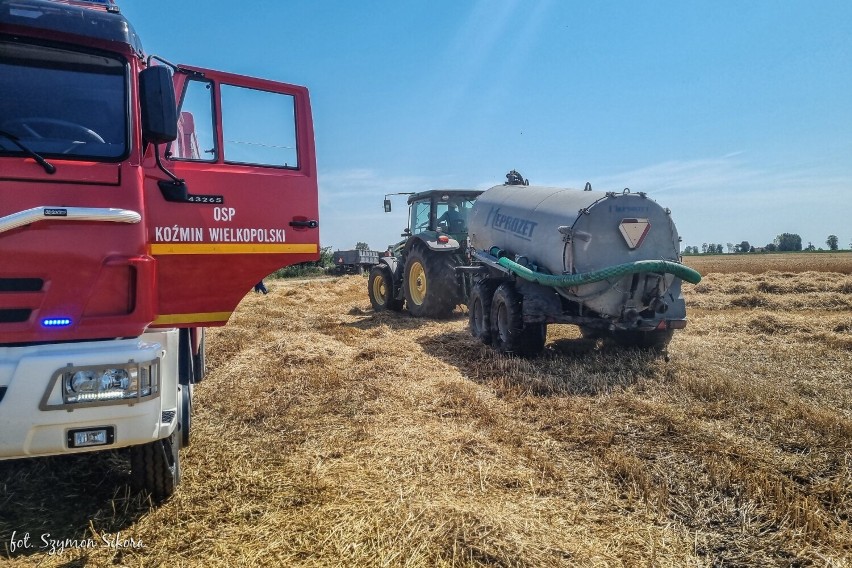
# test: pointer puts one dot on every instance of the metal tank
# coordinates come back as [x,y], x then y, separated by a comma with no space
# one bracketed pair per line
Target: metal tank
[562,231]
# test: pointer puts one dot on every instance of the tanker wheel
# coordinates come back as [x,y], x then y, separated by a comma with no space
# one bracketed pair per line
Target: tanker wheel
[535,336]
[430,284]
[657,340]
[588,332]
[380,290]
[479,309]
[509,334]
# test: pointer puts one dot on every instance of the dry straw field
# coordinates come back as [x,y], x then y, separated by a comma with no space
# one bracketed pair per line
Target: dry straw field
[328,435]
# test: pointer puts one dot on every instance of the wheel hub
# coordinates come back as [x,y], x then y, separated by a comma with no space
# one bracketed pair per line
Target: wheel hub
[417,283]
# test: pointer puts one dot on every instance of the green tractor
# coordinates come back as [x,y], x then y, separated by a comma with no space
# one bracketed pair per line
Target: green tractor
[420,271]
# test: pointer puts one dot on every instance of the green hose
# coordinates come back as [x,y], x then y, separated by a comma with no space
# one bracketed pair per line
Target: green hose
[568,280]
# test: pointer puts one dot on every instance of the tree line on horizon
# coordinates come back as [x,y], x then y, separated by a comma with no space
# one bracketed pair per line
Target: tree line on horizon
[785,242]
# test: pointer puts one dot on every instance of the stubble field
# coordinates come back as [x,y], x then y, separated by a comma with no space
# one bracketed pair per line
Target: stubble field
[329,435]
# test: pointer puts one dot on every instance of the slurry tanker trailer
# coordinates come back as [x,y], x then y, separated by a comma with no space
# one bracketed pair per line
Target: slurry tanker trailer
[128,223]
[608,262]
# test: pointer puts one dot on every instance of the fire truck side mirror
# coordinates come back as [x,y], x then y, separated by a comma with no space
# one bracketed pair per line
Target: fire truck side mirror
[157,99]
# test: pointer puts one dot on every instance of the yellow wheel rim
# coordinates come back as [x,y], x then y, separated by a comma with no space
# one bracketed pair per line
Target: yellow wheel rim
[379,288]
[417,283]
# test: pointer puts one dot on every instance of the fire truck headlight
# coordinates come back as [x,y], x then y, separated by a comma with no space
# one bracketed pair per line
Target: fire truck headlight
[115,382]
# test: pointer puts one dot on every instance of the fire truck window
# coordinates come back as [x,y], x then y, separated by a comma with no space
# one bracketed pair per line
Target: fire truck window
[195,139]
[85,118]
[258,127]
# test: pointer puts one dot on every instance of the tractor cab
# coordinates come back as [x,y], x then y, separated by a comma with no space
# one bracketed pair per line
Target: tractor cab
[441,211]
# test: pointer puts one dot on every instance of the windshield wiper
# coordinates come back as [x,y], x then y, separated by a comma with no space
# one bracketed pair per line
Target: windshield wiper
[48,167]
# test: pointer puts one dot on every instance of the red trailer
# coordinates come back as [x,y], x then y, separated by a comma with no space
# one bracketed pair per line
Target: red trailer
[139,202]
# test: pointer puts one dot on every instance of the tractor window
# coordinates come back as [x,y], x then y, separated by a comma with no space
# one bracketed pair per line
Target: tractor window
[259,127]
[420,216]
[195,139]
[452,215]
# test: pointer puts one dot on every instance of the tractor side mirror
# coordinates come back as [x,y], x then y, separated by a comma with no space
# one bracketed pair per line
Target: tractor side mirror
[157,99]
[387,206]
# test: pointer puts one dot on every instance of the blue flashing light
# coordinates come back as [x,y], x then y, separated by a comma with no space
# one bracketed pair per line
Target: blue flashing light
[56,322]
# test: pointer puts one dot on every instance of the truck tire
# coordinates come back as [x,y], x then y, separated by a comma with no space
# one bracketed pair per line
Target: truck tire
[479,308]
[656,341]
[430,284]
[155,467]
[380,290]
[186,359]
[185,414]
[199,361]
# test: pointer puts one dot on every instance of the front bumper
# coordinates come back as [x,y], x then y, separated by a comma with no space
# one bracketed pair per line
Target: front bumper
[34,421]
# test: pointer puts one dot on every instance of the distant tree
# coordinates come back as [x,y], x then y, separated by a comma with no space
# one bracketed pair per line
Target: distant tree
[704,248]
[362,246]
[730,247]
[744,247]
[831,241]
[326,257]
[810,247]
[720,249]
[771,247]
[788,242]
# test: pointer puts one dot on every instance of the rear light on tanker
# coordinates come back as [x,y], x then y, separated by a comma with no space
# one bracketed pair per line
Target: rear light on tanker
[443,239]
[119,382]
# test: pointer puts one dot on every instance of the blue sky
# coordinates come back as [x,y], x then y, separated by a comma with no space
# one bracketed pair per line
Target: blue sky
[736,115]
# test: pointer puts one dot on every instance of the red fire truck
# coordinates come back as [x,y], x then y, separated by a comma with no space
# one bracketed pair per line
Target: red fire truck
[139,202]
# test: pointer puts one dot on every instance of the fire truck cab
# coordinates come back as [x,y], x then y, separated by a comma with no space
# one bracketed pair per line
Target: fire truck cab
[139,202]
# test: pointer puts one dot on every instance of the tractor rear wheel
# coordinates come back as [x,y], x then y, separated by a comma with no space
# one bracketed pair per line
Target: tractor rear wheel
[380,290]
[479,308]
[430,284]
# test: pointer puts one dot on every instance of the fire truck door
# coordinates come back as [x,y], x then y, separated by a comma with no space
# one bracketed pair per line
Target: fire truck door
[248,202]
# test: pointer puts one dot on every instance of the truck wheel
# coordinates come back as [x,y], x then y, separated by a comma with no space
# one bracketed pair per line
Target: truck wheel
[430,284]
[186,359]
[648,340]
[479,308]
[199,361]
[155,467]
[380,290]
[185,416]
